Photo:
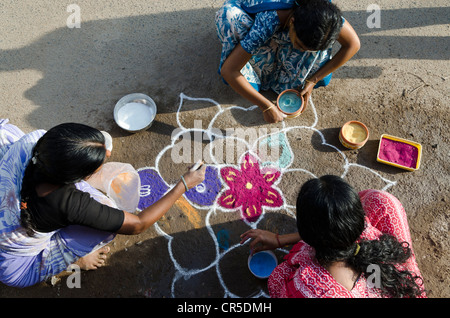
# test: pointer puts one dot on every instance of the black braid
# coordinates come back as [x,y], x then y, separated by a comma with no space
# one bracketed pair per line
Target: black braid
[386,253]
[28,184]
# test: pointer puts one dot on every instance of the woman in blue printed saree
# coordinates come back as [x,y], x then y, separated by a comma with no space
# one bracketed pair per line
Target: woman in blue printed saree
[50,217]
[281,44]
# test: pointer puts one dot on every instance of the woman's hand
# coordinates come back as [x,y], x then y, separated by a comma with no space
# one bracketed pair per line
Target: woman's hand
[265,240]
[273,115]
[137,223]
[195,177]
[262,240]
[306,92]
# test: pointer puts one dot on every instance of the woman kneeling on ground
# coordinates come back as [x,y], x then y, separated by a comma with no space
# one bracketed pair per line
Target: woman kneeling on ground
[347,245]
[281,44]
[50,216]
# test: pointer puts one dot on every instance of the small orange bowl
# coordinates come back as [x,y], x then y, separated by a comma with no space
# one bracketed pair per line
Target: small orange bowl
[353,134]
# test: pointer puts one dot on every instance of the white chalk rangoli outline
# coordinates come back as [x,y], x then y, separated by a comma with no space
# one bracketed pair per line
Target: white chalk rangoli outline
[214,208]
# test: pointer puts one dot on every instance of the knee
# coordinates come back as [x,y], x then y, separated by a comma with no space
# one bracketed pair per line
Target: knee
[381,197]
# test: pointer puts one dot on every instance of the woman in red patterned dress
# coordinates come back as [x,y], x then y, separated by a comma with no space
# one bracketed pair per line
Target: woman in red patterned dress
[347,245]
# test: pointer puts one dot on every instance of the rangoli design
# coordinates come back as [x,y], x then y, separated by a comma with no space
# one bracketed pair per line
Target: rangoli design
[250,187]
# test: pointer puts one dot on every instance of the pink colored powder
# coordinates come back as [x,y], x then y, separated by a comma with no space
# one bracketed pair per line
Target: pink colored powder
[398,152]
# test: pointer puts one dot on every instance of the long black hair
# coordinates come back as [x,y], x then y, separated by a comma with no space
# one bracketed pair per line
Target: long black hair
[317,23]
[330,218]
[65,154]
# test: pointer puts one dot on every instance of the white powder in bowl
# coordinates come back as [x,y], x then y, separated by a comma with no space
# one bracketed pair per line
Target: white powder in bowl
[135,116]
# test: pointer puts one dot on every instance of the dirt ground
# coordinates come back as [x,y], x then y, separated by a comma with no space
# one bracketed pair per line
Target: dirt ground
[397,84]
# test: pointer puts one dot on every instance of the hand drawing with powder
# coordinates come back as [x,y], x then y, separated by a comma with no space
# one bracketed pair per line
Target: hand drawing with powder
[249,187]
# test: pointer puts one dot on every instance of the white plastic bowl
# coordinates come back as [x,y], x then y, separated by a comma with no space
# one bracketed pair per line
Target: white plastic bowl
[135,112]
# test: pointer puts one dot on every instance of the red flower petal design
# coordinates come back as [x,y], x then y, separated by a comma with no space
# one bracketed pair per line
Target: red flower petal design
[250,188]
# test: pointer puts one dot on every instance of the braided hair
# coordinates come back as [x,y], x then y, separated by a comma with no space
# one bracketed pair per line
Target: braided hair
[65,154]
[330,218]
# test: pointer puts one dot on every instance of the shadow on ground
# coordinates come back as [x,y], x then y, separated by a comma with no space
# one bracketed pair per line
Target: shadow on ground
[167,53]
[185,266]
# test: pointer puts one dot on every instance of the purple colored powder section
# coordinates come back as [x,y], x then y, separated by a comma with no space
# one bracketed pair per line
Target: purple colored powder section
[398,152]
[206,192]
[153,188]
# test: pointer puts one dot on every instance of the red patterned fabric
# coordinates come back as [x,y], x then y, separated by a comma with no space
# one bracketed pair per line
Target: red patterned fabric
[300,276]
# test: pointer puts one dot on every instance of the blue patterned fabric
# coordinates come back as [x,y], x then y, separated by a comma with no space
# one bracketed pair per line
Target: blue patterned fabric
[255,6]
[26,260]
[274,64]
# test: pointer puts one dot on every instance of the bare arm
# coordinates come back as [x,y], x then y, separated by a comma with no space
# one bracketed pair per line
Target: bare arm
[265,240]
[231,72]
[135,224]
[350,45]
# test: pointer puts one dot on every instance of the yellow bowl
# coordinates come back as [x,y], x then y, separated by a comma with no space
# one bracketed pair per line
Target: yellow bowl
[349,143]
